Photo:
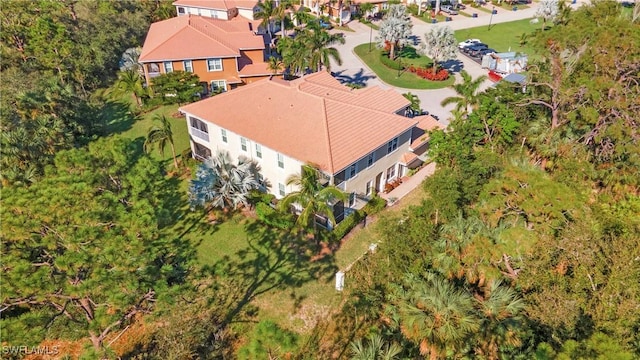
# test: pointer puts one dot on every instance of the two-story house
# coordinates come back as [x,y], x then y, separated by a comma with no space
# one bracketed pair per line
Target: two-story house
[357,138]
[223,53]
[218,9]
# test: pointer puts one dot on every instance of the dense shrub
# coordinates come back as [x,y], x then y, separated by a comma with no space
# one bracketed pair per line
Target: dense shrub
[375,205]
[274,218]
[257,196]
[386,61]
[427,73]
[347,224]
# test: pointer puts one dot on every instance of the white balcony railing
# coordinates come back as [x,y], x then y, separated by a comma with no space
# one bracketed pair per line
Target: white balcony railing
[200,134]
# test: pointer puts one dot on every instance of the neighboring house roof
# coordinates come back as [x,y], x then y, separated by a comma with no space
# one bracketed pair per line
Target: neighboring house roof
[217,4]
[420,133]
[260,69]
[195,37]
[515,78]
[297,119]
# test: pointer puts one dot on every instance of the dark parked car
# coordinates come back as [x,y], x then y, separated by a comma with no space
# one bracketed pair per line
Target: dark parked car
[480,52]
[485,52]
[476,47]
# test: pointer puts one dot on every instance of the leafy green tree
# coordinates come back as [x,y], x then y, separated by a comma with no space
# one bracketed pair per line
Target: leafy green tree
[311,49]
[275,65]
[312,197]
[467,95]
[269,341]
[415,101]
[83,252]
[365,8]
[395,29]
[161,134]
[440,45]
[177,87]
[219,183]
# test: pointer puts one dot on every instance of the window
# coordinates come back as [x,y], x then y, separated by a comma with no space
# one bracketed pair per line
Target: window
[153,68]
[180,11]
[218,86]
[369,188]
[281,189]
[168,67]
[353,169]
[214,14]
[188,65]
[223,132]
[243,144]
[214,64]
[280,161]
[392,146]
[352,199]
[370,160]
[259,151]
[199,128]
[391,172]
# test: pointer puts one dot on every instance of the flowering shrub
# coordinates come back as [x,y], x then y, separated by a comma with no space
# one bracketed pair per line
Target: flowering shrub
[427,73]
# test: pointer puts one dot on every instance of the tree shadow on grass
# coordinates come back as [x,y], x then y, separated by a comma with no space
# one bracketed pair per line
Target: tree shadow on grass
[274,259]
[408,52]
[358,78]
[114,117]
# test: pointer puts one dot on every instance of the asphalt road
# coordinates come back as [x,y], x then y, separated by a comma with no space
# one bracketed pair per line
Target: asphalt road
[354,70]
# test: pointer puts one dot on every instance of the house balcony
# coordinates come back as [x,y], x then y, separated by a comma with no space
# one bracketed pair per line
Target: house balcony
[200,134]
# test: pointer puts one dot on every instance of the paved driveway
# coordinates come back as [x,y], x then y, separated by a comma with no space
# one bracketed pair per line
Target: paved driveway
[354,70]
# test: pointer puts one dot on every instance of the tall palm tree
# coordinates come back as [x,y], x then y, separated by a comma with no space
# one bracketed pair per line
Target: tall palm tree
[467,97]
[222,184]
[435,315]
[267,12]
[374,349]
[274,64]
[318,43]
[281,14]
[161,134]
[129,81]
[312,197]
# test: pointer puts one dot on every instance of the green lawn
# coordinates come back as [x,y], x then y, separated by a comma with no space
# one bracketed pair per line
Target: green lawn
[503,36]
[402,79]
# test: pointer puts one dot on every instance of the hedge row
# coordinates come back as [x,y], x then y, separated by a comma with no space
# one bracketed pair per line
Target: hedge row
[274,218]
[374,206]
[386,61]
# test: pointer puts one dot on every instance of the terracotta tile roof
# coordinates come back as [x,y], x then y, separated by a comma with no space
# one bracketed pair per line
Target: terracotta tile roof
[259,69]
[420,135]
[217,4]
[283,116]
[195,37]
[407,158]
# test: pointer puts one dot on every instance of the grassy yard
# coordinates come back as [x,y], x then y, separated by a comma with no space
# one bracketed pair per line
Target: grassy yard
[402,79]
[503,36]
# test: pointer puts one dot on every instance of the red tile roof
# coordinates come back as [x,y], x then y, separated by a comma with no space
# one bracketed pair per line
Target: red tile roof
[408,158]
[195,37]
[217,4]
[260,69]
[420,134]
[331,131]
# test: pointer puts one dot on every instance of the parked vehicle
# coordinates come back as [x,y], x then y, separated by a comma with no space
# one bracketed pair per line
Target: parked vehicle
[475,47]
[461,6]
[449,10]
[468,42]
[479,52]
[326,25]
[486,52]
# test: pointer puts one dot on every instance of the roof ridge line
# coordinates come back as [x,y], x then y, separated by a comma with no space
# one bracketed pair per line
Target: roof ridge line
[167,39]
[326,128]
[213,36]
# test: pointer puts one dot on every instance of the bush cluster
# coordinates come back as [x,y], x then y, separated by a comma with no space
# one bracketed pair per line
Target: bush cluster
[427,73]
[386,61]
[274,218]
[374,206]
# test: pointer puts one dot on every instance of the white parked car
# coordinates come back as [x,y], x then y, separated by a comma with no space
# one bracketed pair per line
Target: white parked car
[468,42]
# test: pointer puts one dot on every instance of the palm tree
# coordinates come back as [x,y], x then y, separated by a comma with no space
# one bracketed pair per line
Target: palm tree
[267,12]
[395,29]
[311,196]
[280,13]
[435,315]
[222,184]
[161,134]
[365,8]
[274,64]
[129,81]
[374,349]
[500,320]
[415,101]
[317,42]
[467,91]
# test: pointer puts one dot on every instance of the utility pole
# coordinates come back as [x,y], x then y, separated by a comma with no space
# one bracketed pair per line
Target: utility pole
[493,11]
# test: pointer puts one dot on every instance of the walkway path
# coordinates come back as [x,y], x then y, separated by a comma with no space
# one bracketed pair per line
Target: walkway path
[409,184]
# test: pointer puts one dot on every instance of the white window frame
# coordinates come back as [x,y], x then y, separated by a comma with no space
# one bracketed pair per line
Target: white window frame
[369,187]
[392,146]
[181,11]
[280,161]
[218,84]
[392,170]
[223,133]
[352,199]
[243,144]
[167,69]
[281,189]
[259,151]
[353,170]
[188,68]
[371,159]
[214,62]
